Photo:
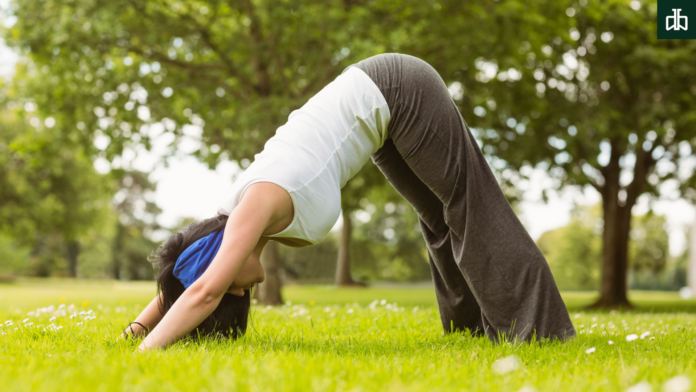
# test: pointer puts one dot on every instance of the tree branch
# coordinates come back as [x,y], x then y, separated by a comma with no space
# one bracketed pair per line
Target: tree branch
[263,86]
[582,154]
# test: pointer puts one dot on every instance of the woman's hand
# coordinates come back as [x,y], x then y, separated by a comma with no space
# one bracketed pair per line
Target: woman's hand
[134,330]
[145,322]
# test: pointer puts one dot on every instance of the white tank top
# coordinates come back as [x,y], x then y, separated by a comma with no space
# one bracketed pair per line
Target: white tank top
[322,146]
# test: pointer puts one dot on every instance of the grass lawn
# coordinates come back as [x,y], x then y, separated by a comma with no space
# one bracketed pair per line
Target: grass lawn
[62,335]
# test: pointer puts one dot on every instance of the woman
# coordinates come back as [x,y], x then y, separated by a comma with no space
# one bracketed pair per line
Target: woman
[489,275]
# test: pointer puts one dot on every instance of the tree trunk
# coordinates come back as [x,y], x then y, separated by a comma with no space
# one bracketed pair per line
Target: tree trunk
[617,228]
[268,292]
[116,251]
[73,252]
[343,277]
[691,267]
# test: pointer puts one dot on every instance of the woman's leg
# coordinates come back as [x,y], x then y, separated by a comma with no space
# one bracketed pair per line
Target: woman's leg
[505,271]
[458,307]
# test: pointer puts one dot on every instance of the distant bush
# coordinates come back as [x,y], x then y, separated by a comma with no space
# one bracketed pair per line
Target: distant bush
[12,258]
[574,252]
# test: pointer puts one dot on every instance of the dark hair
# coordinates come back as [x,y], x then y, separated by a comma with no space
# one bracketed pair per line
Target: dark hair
[230,318]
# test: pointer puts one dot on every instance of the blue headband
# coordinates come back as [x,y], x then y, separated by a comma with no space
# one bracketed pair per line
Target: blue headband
[193,262]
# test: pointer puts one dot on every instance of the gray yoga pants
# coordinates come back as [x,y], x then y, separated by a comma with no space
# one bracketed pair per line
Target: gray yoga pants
[489,275]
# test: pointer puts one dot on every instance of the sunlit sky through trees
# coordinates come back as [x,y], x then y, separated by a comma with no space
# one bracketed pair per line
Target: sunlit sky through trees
[187,188]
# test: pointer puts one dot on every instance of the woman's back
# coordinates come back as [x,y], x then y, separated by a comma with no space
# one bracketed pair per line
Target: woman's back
[321,147]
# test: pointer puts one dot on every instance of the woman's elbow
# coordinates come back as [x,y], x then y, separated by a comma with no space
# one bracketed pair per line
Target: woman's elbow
[207,296]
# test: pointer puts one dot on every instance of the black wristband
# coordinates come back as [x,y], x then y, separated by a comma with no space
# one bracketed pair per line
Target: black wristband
[135,322]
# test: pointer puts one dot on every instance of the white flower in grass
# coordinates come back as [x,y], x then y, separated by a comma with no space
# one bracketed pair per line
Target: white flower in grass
[686,293]
[645,334]
[590,350]
[507,364]
[611,342]
[631,337]
[642,386]
[350,310]
[528,389]
[677,384]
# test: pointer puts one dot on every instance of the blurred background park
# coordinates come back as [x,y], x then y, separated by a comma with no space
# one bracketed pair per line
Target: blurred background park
[123,121]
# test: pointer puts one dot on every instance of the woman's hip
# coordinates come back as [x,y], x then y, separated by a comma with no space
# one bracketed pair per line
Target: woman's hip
[414,91]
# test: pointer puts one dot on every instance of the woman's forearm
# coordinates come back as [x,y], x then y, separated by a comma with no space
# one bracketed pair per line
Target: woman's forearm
[149,318]
[185,315]
[203,296]
[243,231]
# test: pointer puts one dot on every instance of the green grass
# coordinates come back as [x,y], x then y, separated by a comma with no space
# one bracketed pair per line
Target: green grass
[329,339]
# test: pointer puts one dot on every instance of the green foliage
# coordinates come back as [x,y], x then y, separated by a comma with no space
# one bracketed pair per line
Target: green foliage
[649,249]
[51,195]
[237,69]
[673,277]
[574,252]
[311,264]
[12,257]
[94,260]
[388,244]
[136,222]
[232,68]
[581,89]
[604,83]
[48,184]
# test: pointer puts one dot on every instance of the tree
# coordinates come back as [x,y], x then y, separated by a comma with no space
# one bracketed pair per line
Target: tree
[649,247]
[137,220]
[235,70]
[125,64]
[603,104]
[388,242]
[366,181]
[13,258]
[48,186]
[268,292]
[689,259]
[574,252]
